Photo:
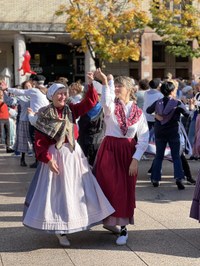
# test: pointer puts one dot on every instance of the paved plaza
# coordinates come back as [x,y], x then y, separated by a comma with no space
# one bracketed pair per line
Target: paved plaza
[163,233]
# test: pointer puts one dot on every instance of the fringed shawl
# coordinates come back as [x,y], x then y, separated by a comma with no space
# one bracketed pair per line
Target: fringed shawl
[56,127]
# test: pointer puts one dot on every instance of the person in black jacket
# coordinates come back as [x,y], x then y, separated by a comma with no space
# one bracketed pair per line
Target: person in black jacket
[167,116]
[92,129]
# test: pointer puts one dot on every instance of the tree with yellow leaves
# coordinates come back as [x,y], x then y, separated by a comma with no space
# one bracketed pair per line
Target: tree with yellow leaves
[109,29]
[178,23]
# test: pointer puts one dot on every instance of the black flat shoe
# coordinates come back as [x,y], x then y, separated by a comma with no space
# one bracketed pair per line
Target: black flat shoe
[155,183]
[180,185]
[9,150]
[193,158]
[22,163]
[191,181]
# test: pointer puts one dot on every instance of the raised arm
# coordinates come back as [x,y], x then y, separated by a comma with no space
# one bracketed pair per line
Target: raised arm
[108,91]
[89,101]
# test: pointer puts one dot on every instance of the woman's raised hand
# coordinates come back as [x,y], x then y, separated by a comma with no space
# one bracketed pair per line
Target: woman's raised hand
[90,76]
[98,74]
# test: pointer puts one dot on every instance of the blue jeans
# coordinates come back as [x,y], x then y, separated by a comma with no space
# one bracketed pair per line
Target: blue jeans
[174,144]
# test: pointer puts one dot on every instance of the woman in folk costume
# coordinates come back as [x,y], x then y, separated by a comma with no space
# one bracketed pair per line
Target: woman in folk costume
[65,196]
[126,139]
[195,206]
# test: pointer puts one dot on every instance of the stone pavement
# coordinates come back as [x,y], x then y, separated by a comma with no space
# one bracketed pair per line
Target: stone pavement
[163,233]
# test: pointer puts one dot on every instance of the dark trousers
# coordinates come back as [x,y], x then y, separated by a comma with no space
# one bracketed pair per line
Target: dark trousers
[5,127]
[186,167]
[174,144]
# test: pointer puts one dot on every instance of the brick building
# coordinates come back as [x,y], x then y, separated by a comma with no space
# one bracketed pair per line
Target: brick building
[32,25]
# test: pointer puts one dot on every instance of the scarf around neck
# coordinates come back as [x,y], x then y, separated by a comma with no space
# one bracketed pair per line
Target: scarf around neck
[55,127]
[125,123]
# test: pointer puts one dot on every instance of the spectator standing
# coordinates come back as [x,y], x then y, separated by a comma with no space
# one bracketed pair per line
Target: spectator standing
[143,87]
[4,122]
[75,92]
[150,96]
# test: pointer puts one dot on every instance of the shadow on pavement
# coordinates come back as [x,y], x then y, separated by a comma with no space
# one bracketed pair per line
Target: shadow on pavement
[22,239]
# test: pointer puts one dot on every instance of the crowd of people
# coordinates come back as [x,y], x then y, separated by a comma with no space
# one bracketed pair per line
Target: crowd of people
[88,140]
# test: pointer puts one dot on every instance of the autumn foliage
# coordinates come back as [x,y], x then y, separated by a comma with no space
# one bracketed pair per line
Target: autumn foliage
[110,29]
[178,23]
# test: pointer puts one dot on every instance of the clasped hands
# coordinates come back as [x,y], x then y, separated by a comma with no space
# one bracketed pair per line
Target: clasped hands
[99,75]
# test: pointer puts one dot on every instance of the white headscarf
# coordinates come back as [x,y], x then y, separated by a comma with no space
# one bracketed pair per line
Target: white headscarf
[52,89]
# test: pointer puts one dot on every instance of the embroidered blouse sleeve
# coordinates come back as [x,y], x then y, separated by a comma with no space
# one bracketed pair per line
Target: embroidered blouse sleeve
[42,143]
[107,97]
[142,138]
[86,104]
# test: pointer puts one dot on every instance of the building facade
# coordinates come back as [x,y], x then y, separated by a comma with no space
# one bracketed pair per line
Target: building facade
[33,26]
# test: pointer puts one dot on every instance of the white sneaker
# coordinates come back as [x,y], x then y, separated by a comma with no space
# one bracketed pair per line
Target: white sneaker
[63,240]
[121,240]
[112,228]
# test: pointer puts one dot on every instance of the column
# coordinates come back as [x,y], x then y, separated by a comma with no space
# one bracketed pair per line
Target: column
[194,62]
[146,56]
[19,50]
[89,64]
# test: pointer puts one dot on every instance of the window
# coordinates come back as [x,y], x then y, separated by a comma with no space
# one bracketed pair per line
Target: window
[134,73]
[182,73]
[158,52]
[182,59]
[159,73]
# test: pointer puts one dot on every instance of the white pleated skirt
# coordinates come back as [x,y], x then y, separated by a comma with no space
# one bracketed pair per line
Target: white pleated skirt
[67,202]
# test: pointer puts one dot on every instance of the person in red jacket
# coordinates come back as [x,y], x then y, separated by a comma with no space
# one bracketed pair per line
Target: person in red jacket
[4,122]
[66,197]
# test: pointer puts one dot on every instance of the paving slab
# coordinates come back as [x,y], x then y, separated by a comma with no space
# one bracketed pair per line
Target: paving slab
[163,233]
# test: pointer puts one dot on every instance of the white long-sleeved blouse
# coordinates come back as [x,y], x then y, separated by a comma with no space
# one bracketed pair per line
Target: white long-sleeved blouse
[139,129]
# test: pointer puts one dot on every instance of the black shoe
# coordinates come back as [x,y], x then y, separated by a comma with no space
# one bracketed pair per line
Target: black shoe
[22,163]
[191,181]
[155,183]
[33,165]
[9,150]
[193,158]
[180,185]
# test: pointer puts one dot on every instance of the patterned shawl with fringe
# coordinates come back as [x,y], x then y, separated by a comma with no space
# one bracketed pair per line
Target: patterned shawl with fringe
[57,128]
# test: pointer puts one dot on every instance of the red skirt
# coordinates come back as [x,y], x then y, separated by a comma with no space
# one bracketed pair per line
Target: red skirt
[112,172]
